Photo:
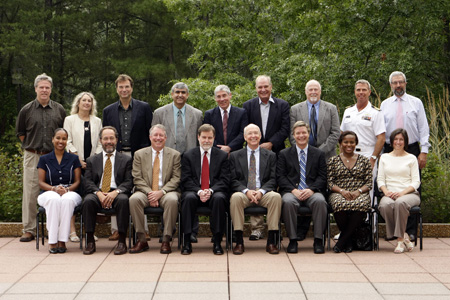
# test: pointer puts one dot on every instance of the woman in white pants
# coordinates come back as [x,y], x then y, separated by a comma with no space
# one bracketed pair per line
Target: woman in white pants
[59,178]
[398,178]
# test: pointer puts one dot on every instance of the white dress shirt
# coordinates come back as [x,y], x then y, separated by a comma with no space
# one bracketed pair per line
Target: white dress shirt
[265,110]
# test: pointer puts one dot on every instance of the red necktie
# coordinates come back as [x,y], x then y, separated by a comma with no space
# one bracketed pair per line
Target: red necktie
[225,126]
[205,172]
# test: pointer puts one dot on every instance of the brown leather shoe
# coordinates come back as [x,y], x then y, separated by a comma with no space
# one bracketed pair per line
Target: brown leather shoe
[272,249]
[114,236]
[147,236]
[120,249]
[27,237]
[90,248]
[165,248]
[139,247]
[238,249]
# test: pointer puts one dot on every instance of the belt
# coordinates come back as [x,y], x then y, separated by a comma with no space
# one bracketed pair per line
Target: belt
[37,152]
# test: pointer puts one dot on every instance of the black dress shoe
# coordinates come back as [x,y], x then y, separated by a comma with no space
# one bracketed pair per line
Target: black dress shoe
[318,246]
[187,249]
[120,249]
[348,249]
[90,248]
[53,250]
[217,249]
[194,238]
[62,249]
[336,249]
[292,247]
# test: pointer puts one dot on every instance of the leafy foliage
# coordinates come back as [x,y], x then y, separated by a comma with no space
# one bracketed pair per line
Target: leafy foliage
[10,186]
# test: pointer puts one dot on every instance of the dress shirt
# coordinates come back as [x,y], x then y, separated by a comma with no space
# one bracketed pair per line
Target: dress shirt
[415,120]
[160,178]
[265,109]
[306,160]
[125,123]
[175,115]
[222,111]
[258,178]
[208,156]
[316,106]
[113,159]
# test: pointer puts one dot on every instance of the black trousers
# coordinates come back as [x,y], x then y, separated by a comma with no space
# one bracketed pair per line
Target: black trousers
[218,204]
[414,149]
[91,205]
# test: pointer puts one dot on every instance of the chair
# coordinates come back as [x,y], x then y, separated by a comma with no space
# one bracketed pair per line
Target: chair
[40,216]
[205,211]
[107,212]
[304,211]
[151,211]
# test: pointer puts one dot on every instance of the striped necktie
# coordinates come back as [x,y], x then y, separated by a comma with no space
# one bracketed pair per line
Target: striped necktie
[302,184]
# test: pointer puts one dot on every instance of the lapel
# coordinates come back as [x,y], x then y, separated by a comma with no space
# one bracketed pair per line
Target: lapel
[97,168]
[293,156]
[168,115]
[188,118]
[257,112]
[53,161]
[167,157]
[243,162]
[134,113]
[272,115]
[304,111]
[309,160]
[149,156]
[117,163]
[322,114]
[262,164]
[217,118]
[231,120]
[197,162]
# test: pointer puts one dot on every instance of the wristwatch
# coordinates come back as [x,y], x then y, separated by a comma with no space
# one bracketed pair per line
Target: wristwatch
[118,191]
[360,190]
[374,157]
[164,192]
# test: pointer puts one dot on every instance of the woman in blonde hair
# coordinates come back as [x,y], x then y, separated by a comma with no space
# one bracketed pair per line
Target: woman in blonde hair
[83,128]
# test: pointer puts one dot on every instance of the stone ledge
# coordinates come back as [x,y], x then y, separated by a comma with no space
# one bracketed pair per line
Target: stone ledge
[103,230]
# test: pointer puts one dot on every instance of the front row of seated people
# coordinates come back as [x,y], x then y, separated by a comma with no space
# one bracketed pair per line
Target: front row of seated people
[205,176]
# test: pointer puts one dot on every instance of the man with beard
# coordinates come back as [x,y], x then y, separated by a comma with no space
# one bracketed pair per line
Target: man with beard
[205,176]
[405,111]
[108,184]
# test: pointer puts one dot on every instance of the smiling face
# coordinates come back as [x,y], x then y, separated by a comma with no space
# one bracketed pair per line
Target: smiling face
[348,144]
[85,104]
[223,99]
[252,136]
[179,97]
[43,91]
[301,136]
[264,89]
[399,142]
[108,140]
[398,85]
[158,138]
[124,90]
[362,93]
[313,91]
[206,140]
[59,140]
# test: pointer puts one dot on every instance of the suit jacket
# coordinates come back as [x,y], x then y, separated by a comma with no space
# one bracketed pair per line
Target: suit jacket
[122,173]
[143,170]
[75,129]
[277,125]
[141,119]
[219,171]
[193,120]
[237,120]
[288,170]
[239,170]
[328,126]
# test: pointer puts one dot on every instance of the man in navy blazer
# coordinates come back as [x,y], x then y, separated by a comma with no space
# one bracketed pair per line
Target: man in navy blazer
[302,179]
[271,115]
[205,178]
[228,121]
[132,118]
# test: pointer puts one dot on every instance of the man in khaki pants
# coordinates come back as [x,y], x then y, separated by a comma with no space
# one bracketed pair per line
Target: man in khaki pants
[253,181]
[156,176]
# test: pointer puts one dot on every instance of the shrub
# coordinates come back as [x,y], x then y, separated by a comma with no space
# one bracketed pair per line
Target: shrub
[11,167]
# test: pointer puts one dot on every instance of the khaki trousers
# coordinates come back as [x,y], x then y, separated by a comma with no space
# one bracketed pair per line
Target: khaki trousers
[169,202]
[30,191]
[270,200]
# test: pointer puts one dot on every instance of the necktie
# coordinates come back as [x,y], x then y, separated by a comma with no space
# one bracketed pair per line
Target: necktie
[181,134]
[399,118]
[252,172]
[107,171]
[225,126]
[155,173]
[302,184]
[313,125]
[205,172]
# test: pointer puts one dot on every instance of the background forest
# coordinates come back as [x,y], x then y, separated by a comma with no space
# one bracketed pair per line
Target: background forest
[85,44]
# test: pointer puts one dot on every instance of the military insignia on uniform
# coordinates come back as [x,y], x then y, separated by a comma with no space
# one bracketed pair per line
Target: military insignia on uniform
[366,118]
[348,116]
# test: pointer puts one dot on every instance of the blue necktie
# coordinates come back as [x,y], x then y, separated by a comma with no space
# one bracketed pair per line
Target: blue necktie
[302,184]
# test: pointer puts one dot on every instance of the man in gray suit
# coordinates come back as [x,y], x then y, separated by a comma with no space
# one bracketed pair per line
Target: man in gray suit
[323,120]
[180,119]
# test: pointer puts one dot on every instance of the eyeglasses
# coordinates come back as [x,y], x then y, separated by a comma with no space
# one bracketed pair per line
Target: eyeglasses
[398,82]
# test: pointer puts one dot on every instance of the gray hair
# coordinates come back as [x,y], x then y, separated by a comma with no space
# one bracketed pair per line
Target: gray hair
[363,81]
[179,85]
[76,102]
[160,126]
[396,73]
[267,77]
[222,87]
[313,81]
[42,77]
[247,128]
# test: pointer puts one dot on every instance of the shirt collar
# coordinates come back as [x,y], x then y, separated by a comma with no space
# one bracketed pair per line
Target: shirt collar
[37,104]
[113,154]
[228,109]
[154,151]
[317,104]
[176,109]
[203,151]
[131,104]
[270,100]
[298,149]
[249,150]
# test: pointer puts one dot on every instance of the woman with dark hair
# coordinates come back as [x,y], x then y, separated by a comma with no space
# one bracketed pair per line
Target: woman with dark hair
[59,177]
[349,180]
[398,179]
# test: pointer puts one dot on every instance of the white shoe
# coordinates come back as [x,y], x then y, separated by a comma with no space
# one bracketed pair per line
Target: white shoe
[95,238]
[73,237]
[256,235]
[336,237]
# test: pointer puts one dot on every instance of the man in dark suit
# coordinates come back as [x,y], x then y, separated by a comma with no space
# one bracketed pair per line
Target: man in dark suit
[205,174]
[253,181]
[302,179]
[271,115]
[108,184]
[132,119]
[228,121]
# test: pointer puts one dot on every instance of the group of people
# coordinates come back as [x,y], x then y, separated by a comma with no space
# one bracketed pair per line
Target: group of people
[231,159]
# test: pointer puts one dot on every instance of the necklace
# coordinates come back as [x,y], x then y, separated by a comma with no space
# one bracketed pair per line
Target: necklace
[348,160]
